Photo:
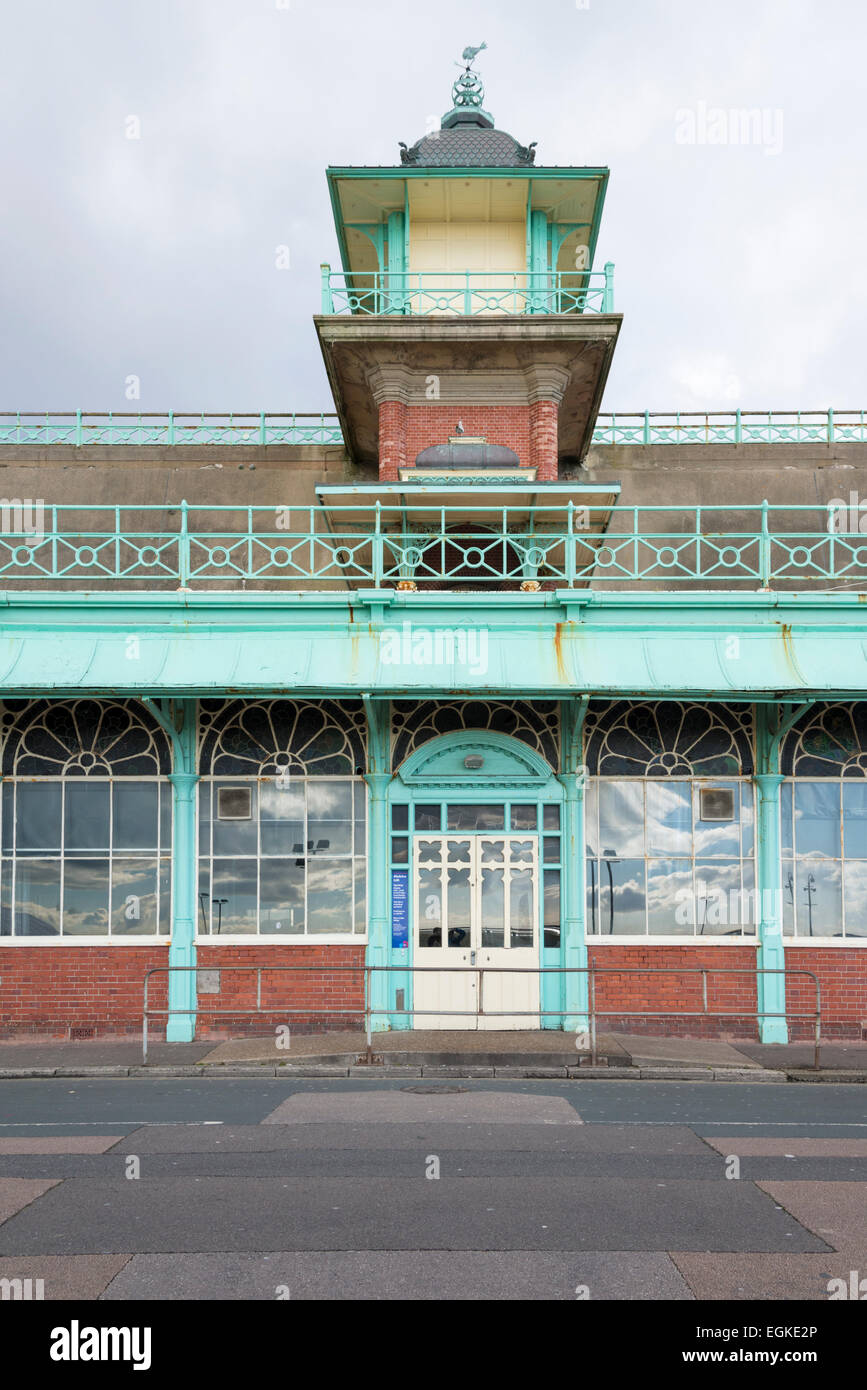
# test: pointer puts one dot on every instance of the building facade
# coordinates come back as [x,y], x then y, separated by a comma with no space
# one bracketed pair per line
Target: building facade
[469,704]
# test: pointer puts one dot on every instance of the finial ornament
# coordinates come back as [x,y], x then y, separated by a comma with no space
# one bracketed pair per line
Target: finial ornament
[468,94]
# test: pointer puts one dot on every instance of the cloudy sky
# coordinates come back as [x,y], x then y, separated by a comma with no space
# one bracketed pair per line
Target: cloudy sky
[741,268]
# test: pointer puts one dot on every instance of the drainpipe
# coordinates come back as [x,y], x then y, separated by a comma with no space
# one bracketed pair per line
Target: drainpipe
[771,989]
[182,992]
[573,993]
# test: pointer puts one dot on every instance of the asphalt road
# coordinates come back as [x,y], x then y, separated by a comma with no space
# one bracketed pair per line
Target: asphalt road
[255,1190]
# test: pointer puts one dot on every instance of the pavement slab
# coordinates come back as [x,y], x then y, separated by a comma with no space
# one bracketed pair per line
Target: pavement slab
[65,1276]
[761,1277]
[401,1107]
[384,1213]
[59,1144]
[18,1193]
[401,1276]
[514,1138]
[747,1146]
[695,1052]
[835,1211]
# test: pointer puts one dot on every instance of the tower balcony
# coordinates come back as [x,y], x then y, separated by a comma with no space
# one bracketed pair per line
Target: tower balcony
[467,293]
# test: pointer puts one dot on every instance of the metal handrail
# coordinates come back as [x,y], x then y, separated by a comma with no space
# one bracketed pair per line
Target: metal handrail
[467,293]
[382,543]
[591,1012]
[83,428]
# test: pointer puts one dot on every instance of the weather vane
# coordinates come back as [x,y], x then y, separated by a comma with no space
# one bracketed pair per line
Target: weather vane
[468,91]
[470,54]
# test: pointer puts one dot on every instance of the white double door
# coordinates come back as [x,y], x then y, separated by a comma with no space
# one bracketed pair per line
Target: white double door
[476,905]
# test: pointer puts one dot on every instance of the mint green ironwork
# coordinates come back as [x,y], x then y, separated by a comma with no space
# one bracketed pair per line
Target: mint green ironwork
[771,729]
[732,427]
[178,719]
[380,543]
[82,429]
[167,430]
[378,779]
[573,950]
[422,294]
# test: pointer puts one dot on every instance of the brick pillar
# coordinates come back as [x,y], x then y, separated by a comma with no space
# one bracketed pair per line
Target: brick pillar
[392,440]
[543,440]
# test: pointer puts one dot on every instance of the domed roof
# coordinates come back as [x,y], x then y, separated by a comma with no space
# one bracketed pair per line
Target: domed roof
[468,138]
[469,144]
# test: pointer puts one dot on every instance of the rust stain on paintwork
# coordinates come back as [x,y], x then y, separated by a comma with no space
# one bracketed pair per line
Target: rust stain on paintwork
[786,634]
[558,653]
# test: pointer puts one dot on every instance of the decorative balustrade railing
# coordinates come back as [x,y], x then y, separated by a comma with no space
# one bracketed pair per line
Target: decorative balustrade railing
[467,547]
[81,428]
[733,427]
[468,293]
[170,429]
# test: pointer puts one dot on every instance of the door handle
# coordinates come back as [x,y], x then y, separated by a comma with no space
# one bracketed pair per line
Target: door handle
[472,957]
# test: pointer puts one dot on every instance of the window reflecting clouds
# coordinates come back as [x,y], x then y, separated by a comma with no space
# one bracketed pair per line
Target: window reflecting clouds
[85,856]
[296,868]
[824,837]
[655,867]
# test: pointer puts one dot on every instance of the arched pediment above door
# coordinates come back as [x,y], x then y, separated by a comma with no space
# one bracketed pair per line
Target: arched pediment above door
[441,764]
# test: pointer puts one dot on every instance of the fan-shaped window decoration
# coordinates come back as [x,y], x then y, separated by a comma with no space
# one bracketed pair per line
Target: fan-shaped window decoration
[274,737]
[828,742]
[415,723]
[669,739]
[83,738]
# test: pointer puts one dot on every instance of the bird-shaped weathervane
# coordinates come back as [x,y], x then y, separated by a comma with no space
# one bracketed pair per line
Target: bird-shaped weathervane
[470,54]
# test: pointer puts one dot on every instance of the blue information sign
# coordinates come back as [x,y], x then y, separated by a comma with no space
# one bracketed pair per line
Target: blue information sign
[399,909]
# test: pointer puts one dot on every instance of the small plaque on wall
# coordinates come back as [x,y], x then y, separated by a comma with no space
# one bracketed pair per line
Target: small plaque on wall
[399,909]
[209,981]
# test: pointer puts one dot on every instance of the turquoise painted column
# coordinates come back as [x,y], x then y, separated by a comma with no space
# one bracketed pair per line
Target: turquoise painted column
[771,989]
[378,920]
[538,267]
[397,264]
[573,952]
[179,722]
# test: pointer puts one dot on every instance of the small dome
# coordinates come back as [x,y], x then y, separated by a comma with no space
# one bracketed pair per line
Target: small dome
[469,455]
[469,145]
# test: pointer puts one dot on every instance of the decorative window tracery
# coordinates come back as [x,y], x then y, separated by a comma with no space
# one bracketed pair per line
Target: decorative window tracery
[82,738]
[414,723]
[281,737]
[829,742]
[668,739]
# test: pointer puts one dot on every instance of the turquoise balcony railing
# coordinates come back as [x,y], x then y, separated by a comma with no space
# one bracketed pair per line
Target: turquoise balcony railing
[170,429]
[468,293]
[733,427]
[82,428]
[461,547]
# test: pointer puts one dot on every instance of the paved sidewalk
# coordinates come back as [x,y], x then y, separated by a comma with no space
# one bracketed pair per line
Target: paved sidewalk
[540,1053]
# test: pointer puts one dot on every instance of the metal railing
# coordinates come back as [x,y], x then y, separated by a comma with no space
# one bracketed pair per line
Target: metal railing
[166,429]
[380,545]
[468,293]
[592,1012]
[177,429]
[732,427]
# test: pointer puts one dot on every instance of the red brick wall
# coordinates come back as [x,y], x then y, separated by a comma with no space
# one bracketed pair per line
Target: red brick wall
[392,440]
[676,993]
[49,991]
[843,984]
[531,431]
[543,440]
[322,987]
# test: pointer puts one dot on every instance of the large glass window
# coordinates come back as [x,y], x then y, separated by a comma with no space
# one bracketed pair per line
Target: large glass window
[86,816]
[86,857]
[670,858]
[824,858]
[284,857]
